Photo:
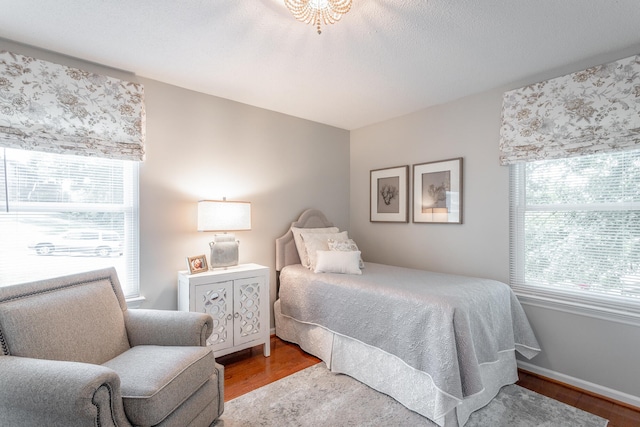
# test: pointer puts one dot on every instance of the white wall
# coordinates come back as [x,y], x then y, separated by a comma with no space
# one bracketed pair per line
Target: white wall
[592,353]
[474,248]
[204,147]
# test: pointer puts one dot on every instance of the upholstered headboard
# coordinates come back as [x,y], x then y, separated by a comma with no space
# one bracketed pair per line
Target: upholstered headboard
[286,252]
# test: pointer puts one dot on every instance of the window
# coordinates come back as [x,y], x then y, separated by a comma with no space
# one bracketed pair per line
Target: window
[575,229]
[61,214]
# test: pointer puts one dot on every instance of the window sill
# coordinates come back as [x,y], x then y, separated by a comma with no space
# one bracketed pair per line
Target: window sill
[135,302]
[606,308]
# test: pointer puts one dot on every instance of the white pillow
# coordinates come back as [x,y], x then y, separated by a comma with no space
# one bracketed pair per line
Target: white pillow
[338,262]
[297,238]
[344,246]
[318,242]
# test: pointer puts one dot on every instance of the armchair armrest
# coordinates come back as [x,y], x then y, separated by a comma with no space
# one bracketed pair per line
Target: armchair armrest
[58,393]
[164,327]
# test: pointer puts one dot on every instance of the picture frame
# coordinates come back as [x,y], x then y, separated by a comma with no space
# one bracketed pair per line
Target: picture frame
[197,264]
[437,192]
[389,194]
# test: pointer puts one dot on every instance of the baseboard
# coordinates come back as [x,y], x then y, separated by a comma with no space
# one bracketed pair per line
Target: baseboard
[599,390]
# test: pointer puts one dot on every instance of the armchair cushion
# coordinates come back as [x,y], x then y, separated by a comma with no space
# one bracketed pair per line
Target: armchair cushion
[155,380]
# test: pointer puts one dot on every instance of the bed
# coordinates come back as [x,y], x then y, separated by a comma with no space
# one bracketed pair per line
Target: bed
[441,345]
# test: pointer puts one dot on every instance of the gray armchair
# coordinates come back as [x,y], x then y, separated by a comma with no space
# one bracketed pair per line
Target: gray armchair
[72,354]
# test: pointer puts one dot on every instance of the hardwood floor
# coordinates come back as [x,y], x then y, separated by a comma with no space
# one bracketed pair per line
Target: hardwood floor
[248,369]
[619,415]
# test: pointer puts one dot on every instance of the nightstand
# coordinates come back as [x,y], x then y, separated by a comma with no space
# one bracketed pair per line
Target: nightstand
[238,300]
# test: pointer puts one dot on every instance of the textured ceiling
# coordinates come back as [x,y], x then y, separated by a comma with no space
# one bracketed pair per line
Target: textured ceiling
[385,58]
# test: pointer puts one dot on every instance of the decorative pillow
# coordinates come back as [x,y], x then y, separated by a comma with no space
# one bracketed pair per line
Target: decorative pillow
[338,262]
[344,246]
[297,238]
[318,242]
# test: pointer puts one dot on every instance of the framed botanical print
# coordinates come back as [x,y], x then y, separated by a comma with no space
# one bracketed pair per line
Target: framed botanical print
[389,195]
[437,192]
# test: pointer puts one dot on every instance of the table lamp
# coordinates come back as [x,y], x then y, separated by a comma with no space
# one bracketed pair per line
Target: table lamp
[223,215]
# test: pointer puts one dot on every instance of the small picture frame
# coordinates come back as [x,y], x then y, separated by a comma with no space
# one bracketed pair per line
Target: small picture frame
[389,194]
[197,264]
[437,192]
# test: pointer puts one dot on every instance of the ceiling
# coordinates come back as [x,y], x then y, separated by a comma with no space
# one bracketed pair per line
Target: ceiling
[386,58]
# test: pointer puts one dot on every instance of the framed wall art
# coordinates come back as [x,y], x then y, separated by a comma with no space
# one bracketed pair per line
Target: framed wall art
[437,192]
[389,195]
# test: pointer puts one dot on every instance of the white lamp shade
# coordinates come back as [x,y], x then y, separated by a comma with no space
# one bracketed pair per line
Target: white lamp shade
[222,215]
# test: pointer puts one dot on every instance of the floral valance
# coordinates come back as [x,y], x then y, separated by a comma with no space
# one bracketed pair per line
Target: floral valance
[591,111]
[51,107]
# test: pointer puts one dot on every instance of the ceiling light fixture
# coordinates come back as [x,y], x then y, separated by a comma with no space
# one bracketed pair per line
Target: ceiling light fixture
[318,11]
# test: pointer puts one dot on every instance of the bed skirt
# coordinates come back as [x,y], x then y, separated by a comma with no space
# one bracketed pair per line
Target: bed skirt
[388,374]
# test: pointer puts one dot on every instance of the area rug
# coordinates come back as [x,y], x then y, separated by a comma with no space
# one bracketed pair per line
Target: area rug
[316,397]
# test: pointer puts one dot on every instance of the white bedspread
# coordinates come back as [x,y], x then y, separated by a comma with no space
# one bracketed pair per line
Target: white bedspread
[444,325]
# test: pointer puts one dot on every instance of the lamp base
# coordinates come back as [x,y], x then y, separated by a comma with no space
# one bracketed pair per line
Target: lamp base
[224,251]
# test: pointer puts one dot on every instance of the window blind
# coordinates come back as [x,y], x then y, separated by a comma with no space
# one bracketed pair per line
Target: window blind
[62,214]
[575,226]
